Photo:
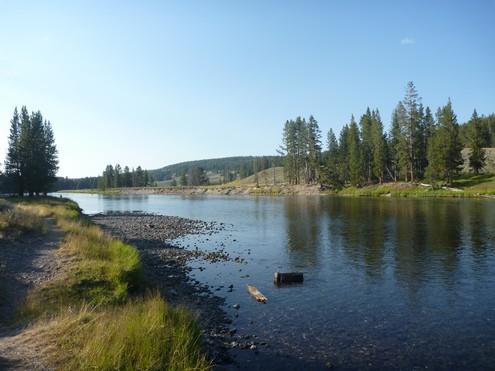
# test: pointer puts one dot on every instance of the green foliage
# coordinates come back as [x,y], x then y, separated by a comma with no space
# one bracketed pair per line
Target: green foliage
[444,149]
[241,166]
[415,146]
[330,176]
[115,177]
[31,163]
[183,179]
[196,176]
[477,157]
[301,148]
[378,147]
[355,154]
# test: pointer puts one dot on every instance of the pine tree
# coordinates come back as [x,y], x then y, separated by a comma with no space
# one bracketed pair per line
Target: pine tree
[288,151]
[183,179]
[138,177]
[444,150]
[331,174]
[50,158]
[398,143]
[410,129]
[355,154]
[301,149]
[146,178]
[420,144]
[477,157]
[401,141]
[13,161]
[378,146]
[366,124]
[108,177]
[344,154]
[31,163]
[127,177]
[313,149]
[117,178]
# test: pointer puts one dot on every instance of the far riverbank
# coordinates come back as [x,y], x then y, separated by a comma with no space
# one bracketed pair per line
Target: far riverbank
[480,186]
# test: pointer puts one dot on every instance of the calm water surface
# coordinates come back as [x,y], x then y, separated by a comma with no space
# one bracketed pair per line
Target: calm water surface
[389,283]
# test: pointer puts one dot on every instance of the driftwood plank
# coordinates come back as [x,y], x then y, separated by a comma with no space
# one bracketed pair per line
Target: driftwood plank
[257,294]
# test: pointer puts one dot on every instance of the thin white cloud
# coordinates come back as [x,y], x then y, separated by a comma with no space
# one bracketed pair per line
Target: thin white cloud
[407,41]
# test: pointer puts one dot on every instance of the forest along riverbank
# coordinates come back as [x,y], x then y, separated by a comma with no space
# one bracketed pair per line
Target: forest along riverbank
[165,268]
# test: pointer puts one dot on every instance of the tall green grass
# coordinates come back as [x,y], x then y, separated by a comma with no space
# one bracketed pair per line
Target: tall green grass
[141,335]
[96,316]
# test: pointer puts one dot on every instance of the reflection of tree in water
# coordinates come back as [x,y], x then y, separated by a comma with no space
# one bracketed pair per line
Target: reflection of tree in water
[420,239]
[123,203]
[427,242]
[303,215]
[359,227]
[481,229]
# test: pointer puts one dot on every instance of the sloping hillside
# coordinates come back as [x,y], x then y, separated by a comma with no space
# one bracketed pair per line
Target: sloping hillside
[209,165]
[273,175]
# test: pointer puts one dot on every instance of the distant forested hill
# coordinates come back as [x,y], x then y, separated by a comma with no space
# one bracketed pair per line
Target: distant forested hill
[236,167]
[241,165]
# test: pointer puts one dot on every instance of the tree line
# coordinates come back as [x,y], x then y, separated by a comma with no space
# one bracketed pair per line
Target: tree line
[31,163]
[118,177]
[419,145]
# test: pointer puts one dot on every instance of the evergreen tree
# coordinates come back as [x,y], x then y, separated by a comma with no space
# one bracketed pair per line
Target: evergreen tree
[366,123]
[127,177]
[355,154]
[183,179]
[301,160]
[13,160]
[108,177]
[31,163]
[313,150]
[410,129]
[138,177]
[301,149]
[477,157]
[288,151]
[444,150]
[197,176]
[343,167]
[420,145]
[399,142]
[331,174]
[146,178]
[117,179]
[378,147]
[50,158]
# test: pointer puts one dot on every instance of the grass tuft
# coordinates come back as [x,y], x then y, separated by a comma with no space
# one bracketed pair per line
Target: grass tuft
[140,335]
[15,221]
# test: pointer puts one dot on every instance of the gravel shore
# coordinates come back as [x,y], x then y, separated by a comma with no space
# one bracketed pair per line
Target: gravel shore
[166,269]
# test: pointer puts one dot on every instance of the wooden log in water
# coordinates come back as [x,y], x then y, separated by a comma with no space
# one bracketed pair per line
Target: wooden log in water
[280,278]
[255,293]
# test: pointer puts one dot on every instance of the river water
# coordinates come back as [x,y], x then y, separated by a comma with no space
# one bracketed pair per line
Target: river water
[389,283]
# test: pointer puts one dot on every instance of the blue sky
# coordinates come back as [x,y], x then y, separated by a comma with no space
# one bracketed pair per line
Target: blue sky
[154,83]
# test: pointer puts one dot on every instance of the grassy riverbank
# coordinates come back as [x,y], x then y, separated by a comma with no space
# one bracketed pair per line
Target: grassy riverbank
[95,313]
[467,186]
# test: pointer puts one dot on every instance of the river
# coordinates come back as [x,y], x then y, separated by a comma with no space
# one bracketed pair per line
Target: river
[389,283]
